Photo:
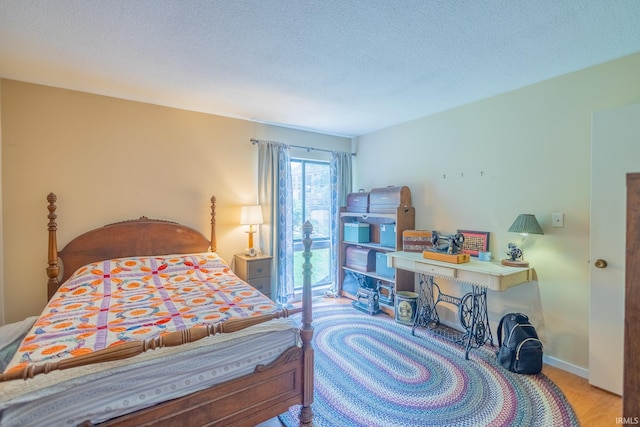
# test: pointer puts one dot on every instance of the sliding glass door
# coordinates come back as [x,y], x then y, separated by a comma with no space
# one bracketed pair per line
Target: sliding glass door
[312,202]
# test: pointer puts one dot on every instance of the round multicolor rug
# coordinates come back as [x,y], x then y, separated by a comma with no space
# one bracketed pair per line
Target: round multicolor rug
[371,371]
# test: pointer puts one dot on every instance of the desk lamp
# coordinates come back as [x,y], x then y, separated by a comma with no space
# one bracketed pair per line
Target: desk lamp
[251,215]
[524,224]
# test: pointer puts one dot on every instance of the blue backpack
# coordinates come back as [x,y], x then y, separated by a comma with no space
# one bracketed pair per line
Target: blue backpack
[521,351]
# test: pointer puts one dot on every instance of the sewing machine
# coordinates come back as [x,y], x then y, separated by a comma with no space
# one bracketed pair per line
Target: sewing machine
[451,244]
[367,300]
[385,293]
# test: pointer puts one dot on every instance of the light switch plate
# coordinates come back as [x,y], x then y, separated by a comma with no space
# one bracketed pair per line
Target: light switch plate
[557,219]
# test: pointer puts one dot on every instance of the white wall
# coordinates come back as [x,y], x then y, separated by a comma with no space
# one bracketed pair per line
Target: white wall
[478,166]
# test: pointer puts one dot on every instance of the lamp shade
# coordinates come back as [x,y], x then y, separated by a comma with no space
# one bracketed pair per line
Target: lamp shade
[251,215]
[526,224]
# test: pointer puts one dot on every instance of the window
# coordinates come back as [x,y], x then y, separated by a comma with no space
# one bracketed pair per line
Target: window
[312,202]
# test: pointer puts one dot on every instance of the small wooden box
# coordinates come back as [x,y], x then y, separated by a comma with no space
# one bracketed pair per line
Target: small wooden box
[358,202]
[388,199]
[452,258]
[416,240]
[361,259]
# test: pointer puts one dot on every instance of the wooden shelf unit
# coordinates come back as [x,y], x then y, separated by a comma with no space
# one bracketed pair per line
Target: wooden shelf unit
[404,219]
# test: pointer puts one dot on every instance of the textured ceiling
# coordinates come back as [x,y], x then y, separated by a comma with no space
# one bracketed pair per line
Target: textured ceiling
[344,67]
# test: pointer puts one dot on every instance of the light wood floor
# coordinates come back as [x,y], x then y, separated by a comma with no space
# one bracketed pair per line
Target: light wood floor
[594,407]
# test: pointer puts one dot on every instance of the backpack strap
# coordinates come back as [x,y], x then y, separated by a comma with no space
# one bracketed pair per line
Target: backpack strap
[500,331]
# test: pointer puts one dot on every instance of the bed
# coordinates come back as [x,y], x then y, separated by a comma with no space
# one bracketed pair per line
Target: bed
[227,356]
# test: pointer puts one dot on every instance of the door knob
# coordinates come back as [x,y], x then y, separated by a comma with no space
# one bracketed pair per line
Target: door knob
[600,263]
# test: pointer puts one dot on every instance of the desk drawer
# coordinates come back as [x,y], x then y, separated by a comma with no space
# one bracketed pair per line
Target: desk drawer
[259,269]
[436,270]
[263,285]
[420,267]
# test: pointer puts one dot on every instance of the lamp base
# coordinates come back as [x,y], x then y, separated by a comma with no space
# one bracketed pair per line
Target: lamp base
[251,251]
[515,263]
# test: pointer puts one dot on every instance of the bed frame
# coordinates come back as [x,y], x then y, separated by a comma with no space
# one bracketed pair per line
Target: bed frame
[266,393]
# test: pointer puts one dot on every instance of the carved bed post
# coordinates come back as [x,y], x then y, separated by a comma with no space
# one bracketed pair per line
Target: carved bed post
[214,244]
[306,332]
[53,270]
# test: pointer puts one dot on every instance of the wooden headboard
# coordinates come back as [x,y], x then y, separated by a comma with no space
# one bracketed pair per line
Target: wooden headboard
[137,237]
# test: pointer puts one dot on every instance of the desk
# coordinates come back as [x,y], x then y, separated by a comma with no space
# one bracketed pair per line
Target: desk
[472,307]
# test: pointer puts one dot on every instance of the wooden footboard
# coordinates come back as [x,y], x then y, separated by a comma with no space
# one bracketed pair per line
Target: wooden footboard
[246,401]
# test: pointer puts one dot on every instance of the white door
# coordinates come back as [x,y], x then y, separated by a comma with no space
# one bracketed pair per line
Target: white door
[615,151]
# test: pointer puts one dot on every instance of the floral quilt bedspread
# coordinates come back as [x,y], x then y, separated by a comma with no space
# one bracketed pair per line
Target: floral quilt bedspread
[131,299]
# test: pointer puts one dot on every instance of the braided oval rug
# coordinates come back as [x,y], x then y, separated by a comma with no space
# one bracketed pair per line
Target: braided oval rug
[370,371]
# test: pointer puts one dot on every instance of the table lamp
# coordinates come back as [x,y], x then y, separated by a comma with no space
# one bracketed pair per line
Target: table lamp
[524,224]
[251,215]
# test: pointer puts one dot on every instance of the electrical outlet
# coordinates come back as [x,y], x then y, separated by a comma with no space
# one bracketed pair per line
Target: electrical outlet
[557,219]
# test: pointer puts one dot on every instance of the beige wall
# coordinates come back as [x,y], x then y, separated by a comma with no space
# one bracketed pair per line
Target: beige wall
[110,159]
[527,151]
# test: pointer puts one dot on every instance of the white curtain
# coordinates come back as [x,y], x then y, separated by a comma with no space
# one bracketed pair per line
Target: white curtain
[275,197]
[341,185]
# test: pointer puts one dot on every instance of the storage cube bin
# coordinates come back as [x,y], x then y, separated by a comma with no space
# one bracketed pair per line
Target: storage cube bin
[388,235]
[381,266]
[356,232]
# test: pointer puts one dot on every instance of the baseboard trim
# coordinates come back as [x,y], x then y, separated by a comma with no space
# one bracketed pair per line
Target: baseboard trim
[560,364]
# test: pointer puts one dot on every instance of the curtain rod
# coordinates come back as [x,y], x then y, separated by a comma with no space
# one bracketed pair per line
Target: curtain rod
[255,141]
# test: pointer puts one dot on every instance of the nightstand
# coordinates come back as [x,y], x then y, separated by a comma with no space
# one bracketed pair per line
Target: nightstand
[255,270]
